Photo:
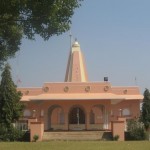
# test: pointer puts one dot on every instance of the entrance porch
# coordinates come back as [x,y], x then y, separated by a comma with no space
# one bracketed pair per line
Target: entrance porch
[78,118]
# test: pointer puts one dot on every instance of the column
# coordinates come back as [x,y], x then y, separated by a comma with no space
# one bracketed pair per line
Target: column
[118,129]
[106,119]
[66,125]
[36,128]
[87,126]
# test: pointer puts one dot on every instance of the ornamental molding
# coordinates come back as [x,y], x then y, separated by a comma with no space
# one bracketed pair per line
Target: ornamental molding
[46,89]
[106,88]
[66,89]
[125,91]
[26,92]
[88,88]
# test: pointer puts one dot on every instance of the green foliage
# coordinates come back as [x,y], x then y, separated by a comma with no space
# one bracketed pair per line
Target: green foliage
[145,115]
[10,134]
[136,130]
[116,138]
[3,133]
[26,136]
[35,137]
[10,106]
[20,18]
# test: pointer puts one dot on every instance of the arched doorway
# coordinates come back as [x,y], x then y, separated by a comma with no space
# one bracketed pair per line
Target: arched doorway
[77,118]
[97,117]
[55,118]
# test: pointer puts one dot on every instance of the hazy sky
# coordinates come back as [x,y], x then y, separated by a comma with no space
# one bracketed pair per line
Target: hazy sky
[114,36]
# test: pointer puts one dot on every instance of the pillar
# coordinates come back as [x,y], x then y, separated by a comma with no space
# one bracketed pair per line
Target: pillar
[87,121]
[125,122]
[118,129]
[106,119]
[36,128]
[66,125]
[33,119]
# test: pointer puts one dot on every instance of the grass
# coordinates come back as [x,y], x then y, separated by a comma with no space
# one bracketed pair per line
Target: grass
[75,145]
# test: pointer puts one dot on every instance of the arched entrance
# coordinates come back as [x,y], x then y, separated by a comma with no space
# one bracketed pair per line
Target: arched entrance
[77,118]
[56,118]
[98,117]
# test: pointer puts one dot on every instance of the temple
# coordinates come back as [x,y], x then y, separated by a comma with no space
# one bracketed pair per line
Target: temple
[77,103]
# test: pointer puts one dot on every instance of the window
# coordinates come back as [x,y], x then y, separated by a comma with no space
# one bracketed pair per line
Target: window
[27,113]
[126,112]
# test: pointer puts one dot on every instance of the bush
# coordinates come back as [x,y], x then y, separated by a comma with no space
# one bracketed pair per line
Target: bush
[136,130]
[16,134]
[116,138]
[10,133]
[3,133]
[35,137]
[26,137]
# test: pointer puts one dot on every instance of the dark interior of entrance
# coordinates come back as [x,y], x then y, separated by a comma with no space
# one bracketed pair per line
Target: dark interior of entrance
[77,116]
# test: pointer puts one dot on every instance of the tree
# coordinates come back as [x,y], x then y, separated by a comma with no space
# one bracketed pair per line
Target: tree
[145,115]
[10,106]
[25,18]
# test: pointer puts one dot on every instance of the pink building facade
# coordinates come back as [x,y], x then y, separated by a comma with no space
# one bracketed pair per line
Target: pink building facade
[78,104]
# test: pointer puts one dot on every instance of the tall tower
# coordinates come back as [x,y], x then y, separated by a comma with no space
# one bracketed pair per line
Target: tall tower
[76,71]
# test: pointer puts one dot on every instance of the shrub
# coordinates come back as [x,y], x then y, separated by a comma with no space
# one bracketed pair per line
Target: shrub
[10,133]
[16,134]
[35,137]
[116,138]
[3,133]
[136,130]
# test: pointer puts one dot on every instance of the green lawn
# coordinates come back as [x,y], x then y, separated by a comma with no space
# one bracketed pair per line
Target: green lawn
[75,145]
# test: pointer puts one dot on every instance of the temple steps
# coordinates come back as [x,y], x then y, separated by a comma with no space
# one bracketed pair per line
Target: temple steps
[77,135]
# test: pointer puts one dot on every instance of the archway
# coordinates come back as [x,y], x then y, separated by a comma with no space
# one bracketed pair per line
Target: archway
[77,118]
[97,117]
[55,118]
[97,114]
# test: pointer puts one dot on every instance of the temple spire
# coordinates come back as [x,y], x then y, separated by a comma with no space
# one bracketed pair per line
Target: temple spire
[76,71]
[70,39]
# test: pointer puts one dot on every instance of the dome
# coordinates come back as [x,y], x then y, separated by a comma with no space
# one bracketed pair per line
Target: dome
[76,44]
